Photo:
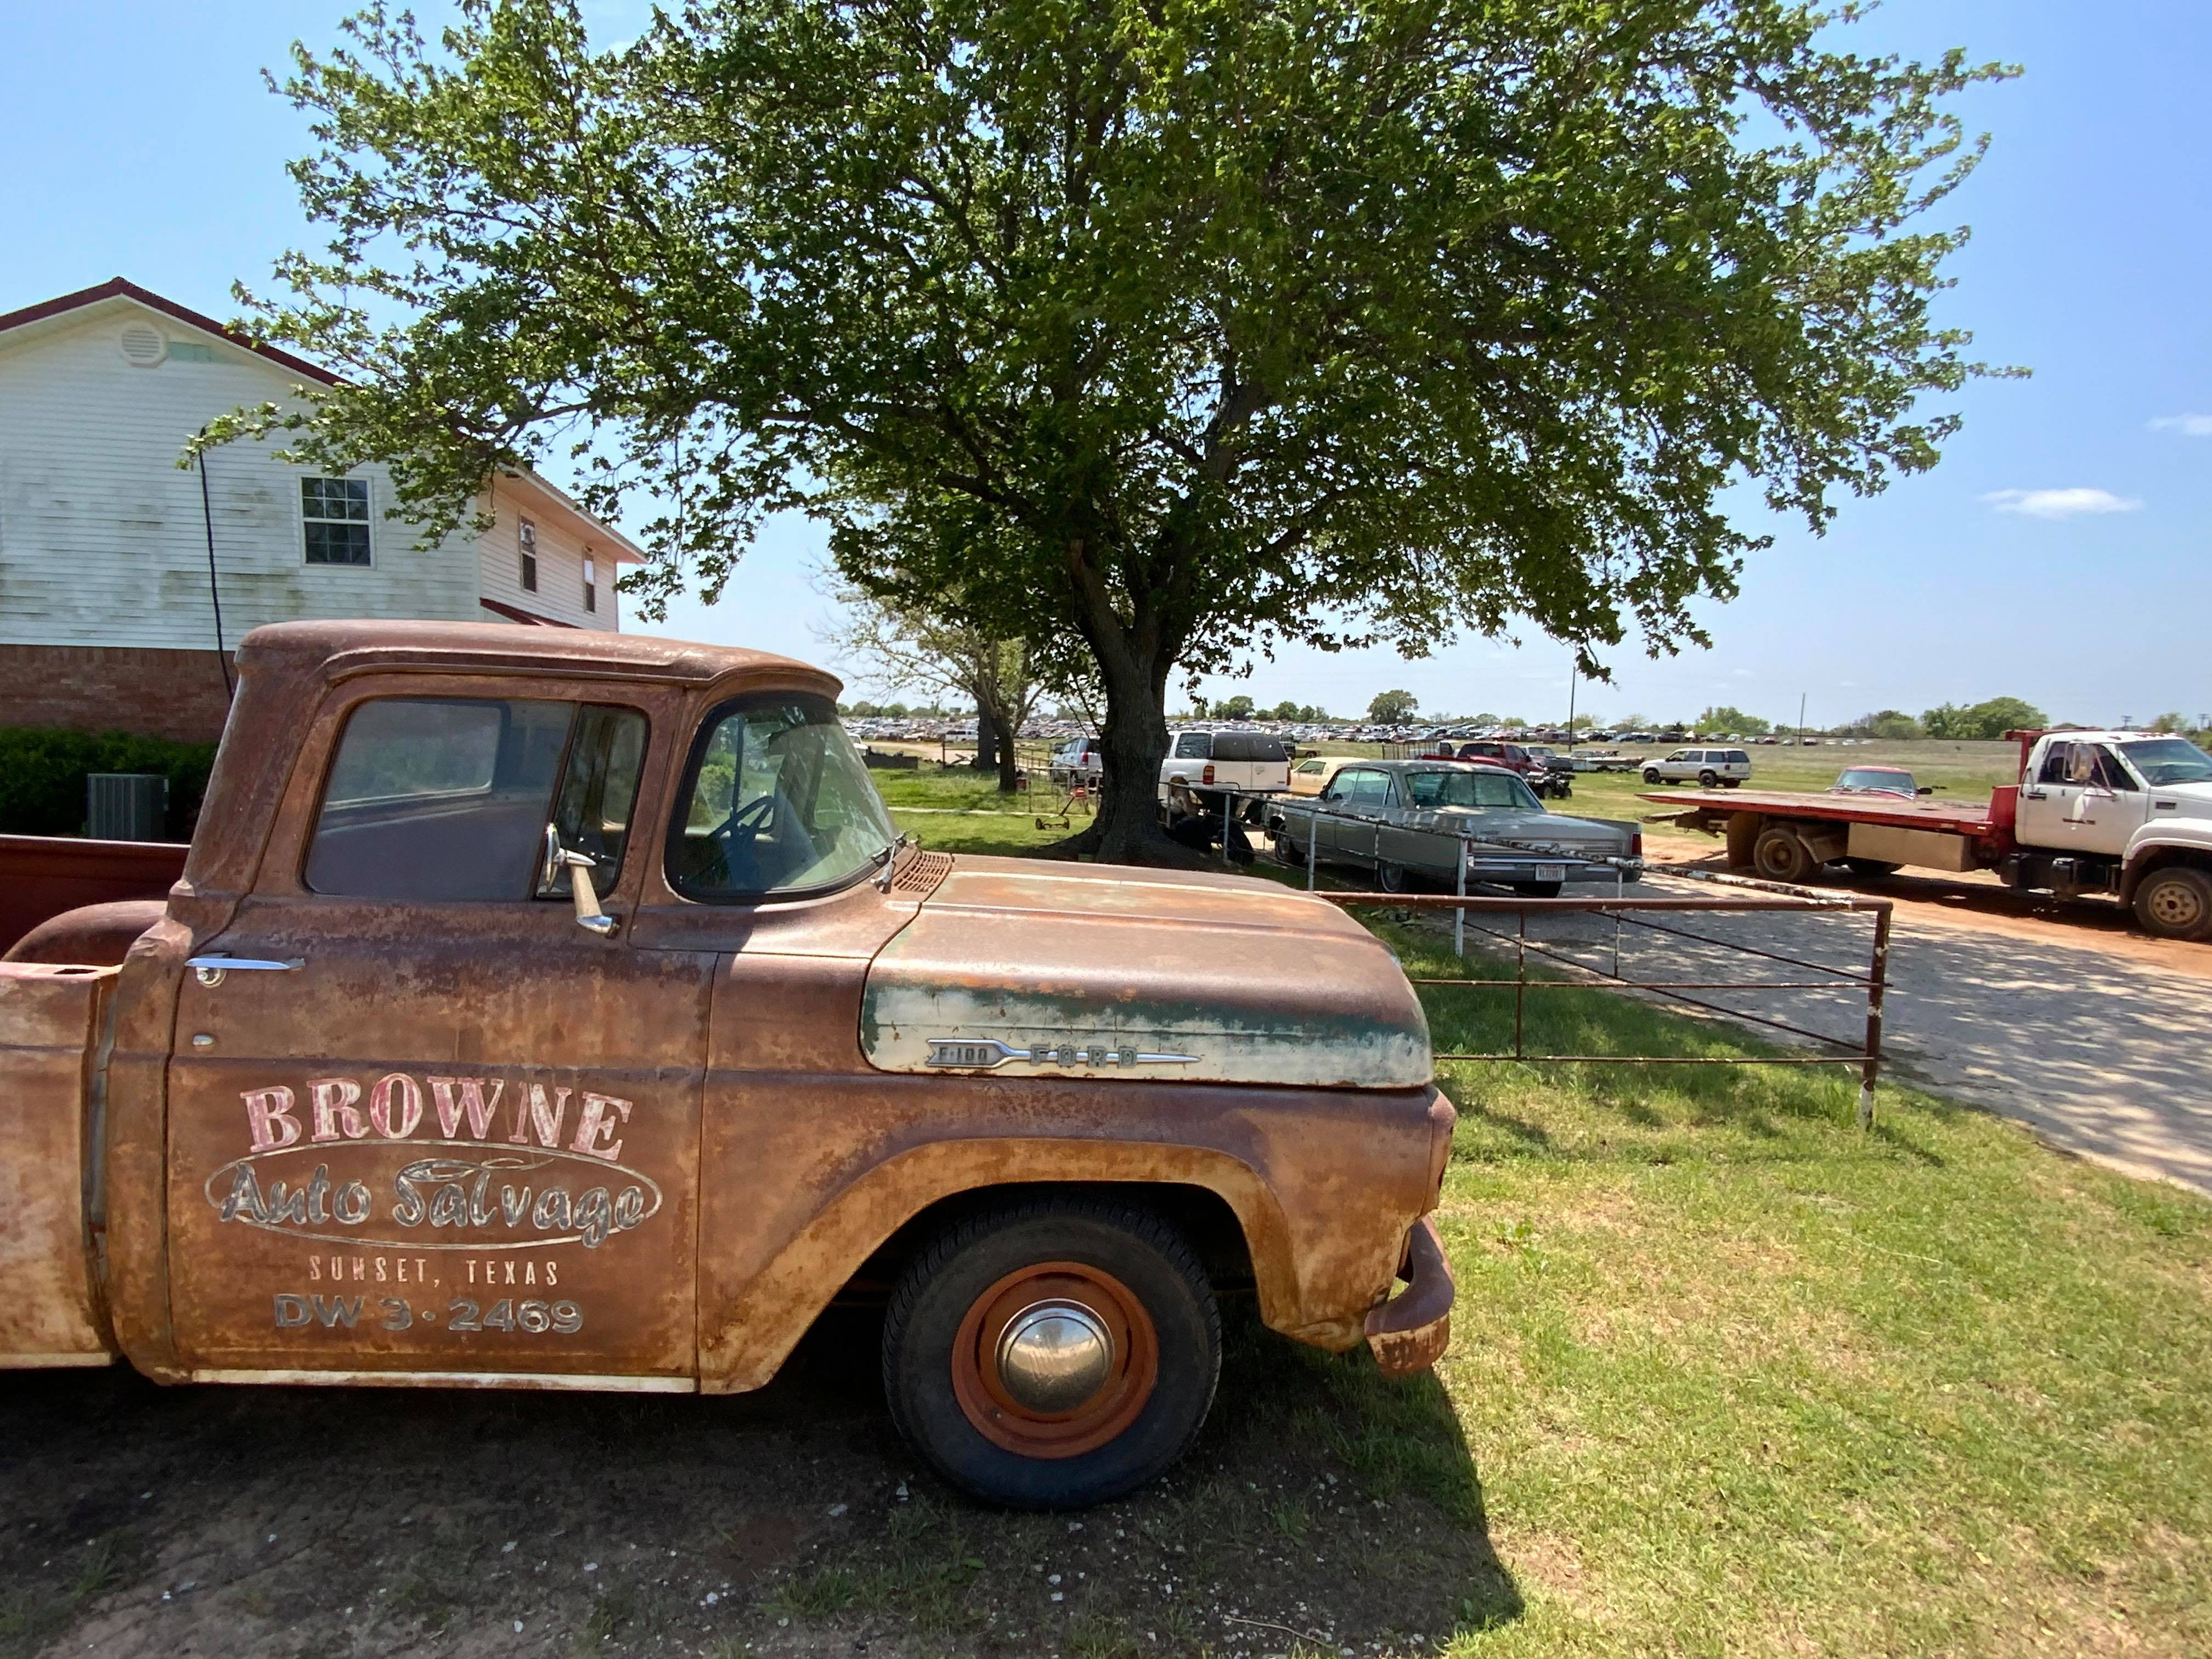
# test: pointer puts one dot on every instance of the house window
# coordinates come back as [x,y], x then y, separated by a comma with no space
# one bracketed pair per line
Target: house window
[191,351]
[527,535]
[591,583]
[334,512]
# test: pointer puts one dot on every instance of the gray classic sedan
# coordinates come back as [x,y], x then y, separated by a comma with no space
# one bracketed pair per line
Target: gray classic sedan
[1405,819]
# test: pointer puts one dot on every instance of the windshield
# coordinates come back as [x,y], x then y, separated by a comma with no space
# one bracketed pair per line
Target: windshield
[778,802]
[1861,777]
[1476,790]
[2163,761]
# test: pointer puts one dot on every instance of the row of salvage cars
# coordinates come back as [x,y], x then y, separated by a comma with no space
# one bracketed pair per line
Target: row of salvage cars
[1409,822]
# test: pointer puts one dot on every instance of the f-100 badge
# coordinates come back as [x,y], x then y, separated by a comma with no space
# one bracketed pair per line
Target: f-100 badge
[985,1053]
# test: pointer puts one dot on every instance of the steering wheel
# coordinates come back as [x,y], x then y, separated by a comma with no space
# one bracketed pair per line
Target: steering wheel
[756,818]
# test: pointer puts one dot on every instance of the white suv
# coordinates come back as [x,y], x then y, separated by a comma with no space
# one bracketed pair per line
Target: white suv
[1725,767]
[1235,759]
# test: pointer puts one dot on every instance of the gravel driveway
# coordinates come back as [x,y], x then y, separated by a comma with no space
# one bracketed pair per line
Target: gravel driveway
[2106,1057]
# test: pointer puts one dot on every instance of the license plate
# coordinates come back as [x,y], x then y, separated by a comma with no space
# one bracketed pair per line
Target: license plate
[1551,873]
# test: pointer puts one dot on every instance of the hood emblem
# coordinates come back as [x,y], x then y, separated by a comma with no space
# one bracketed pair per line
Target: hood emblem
[983,1054]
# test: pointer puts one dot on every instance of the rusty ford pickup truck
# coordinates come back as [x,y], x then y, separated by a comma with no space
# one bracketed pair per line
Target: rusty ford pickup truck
[561,1010]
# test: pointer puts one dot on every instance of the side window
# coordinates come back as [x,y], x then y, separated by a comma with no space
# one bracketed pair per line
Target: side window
[1741,757]
[2111,772]
[599,787]
[1370,789]
[2057,764]
[334,517]
[433,799]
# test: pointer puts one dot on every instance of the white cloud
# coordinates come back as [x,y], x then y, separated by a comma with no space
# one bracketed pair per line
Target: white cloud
[2059,503]
[2189,426]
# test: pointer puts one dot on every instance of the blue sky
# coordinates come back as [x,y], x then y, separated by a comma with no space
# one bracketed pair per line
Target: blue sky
[2059,553]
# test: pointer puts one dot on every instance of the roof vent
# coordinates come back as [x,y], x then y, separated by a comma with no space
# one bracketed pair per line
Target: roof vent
[143,345]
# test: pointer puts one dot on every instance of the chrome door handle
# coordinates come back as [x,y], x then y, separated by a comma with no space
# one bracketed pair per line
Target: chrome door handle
[210,969]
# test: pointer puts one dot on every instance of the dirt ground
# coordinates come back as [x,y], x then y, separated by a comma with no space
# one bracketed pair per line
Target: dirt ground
[271,1523]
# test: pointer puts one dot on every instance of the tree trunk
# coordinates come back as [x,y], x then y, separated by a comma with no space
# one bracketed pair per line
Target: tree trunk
[986,738]
[1009,768]
[1135,744]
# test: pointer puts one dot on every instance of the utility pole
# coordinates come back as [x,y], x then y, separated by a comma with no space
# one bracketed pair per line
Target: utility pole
[1573,673]
[1800,720]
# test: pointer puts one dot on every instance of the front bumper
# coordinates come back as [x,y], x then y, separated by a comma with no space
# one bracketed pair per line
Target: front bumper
[1410,1330]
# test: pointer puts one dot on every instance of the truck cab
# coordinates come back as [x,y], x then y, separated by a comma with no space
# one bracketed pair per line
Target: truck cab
[550,1010]
[2124,812]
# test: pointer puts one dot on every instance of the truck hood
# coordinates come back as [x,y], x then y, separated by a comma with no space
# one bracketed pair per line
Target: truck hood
[1541,832]
[2195,800]
[1109,971]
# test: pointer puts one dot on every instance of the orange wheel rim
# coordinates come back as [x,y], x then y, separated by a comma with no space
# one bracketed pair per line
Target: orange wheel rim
[1055,1360]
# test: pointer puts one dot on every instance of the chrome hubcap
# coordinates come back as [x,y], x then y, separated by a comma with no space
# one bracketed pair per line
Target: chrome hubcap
[1054,1356]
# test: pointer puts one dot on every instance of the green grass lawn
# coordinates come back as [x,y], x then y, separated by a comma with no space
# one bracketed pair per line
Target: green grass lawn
[1729,1376]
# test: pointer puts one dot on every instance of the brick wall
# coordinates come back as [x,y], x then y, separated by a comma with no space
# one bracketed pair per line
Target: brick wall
[112,687]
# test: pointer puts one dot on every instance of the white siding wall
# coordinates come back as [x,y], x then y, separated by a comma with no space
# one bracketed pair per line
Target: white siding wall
[561,553]
[102,540]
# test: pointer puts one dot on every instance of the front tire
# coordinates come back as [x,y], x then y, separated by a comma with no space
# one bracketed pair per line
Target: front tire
[1054,1355]
[2175,902]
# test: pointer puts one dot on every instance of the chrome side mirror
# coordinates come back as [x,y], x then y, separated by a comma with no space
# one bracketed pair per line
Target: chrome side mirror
[579,866]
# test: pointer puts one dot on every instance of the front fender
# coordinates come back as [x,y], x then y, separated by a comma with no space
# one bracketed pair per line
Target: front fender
[2171,841]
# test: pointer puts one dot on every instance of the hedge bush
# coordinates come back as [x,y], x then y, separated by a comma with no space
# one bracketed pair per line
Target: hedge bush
[42,774]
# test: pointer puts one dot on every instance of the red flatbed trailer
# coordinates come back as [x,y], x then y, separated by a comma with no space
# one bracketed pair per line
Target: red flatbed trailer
[1869,827]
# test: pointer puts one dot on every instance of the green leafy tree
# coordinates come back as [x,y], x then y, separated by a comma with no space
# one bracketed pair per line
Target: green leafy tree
[1238,708]
[1392,707]
[917,650]
[1891,723]
[1152,334]
[1726,719]
[1983,721]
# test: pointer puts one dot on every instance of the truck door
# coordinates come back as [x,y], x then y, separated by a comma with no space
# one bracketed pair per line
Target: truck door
[421,1122]
[2112,804]
[2048,801]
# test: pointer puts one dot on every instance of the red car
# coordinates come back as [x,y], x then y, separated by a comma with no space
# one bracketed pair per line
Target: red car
[1510,756]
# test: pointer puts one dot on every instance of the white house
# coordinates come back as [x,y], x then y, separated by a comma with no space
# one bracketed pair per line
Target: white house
[123,579]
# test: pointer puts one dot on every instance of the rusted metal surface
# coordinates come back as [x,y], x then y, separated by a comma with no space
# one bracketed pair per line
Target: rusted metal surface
[42,876]
[1410,1332]
[94,935]
[1077,968]
[51,1311]
[473,1144]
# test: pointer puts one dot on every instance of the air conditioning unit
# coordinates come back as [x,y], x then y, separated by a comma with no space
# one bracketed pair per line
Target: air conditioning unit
[126,805]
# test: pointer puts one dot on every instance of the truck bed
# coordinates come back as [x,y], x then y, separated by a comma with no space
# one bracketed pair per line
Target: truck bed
[1959,817]
[42,876]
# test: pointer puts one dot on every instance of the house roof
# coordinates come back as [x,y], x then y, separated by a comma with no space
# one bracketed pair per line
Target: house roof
[121,288]
[621,549]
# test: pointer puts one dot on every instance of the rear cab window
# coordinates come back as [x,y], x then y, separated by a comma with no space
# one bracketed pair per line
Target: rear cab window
[445,799]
